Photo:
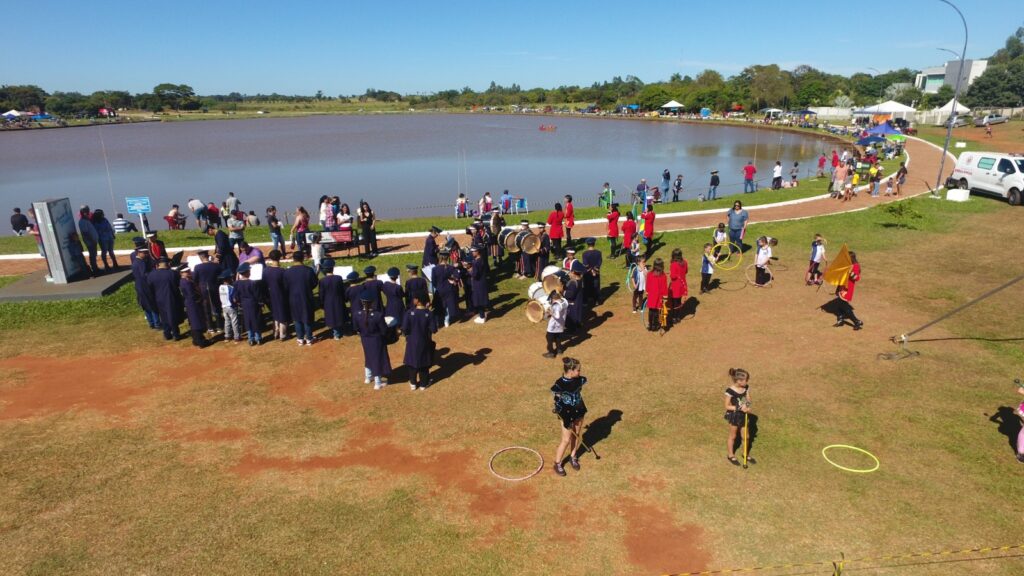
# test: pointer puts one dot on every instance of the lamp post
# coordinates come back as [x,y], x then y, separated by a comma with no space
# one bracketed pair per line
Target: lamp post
[956,96]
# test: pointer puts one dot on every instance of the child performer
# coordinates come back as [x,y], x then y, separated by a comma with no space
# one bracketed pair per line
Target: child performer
[707,268]
[888,186]
[639,282]
[844,295]
[316,251]
[764,255]
[460,206]
[193,308]
[628,236]
[613,230]
[657,294]
[248,295]
[719,236]
[570,408]
[678,290]
[813,276]
[229,307]
[557,308]
[418,327]
[370,324]
[737,406]
[332,299]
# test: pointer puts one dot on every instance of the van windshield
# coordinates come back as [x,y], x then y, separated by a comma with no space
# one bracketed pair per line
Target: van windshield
[1020,165]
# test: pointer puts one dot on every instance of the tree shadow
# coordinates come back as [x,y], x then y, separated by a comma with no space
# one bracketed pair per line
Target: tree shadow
[1009,425]
[583,334]
[449,362]
[601,428]
[502,304]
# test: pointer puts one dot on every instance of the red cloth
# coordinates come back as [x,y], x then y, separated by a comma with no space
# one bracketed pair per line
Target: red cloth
[835,160]
[628,231]
[678,273]
[613,224]
[648,224]
[821,162]
[846,293]
[657,288]
[555,222]
[570,215]
[156,249]
[748,171]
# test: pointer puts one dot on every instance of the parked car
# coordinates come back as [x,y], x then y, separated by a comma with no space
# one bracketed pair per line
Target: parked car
[958,122]
[989,119]
[990,172]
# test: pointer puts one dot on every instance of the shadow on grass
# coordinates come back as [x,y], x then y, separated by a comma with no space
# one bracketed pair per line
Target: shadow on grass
[583,334]
[451,362]
[1009,425]
[503,304]
[601,427]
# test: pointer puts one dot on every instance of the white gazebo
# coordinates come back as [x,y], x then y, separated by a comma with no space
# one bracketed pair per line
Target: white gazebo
[672,104]
[12,113]
[891,108]
[960,108]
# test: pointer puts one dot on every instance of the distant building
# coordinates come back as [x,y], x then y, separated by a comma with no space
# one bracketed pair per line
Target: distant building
[931,79]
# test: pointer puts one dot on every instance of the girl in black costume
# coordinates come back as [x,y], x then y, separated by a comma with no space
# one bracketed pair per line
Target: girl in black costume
[737,404]
[570,409]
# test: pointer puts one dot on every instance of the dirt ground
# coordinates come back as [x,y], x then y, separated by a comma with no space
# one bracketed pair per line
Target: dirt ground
[121,453]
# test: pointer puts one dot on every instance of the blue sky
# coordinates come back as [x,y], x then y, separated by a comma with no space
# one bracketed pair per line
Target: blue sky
[344,48]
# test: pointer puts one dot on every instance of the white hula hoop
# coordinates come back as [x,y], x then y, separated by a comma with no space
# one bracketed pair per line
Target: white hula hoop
[490,463]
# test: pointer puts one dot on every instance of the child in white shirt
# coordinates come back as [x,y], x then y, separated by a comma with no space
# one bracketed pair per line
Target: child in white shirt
[557,309]
[639,282]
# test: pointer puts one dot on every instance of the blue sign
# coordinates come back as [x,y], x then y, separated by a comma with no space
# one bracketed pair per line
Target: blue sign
[138,205]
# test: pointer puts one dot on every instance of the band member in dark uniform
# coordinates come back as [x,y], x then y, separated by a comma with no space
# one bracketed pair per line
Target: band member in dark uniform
[573,294]
[526,261]
[194,310]
[446,287]
[592,260]
[372,330]
[430,247]
[332,299]
[478,280]
[299,281]
[375,286]
[496,249]
[414,285]
[395,305]
[544,252]
[737,405]
[142,264]
[223,252]
[277,294]
[352,292]
[418,327]
[250,298]
[167,295]
[207,277]
[571,409]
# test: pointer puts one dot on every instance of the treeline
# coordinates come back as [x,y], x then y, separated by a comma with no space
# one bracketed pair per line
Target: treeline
[754,88]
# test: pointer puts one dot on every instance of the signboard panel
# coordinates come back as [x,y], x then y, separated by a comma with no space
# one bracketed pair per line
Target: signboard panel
[138,205]
[61,242]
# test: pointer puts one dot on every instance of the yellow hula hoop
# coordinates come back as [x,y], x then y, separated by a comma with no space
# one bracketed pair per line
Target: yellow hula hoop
[727,245]
[824,454]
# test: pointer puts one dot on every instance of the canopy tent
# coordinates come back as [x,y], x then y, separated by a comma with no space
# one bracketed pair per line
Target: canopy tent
[883,129]
[672,104]
[869,140]
[805,112]
[890,107]
[896,138]
[960,108]
[12,113]
[42,116]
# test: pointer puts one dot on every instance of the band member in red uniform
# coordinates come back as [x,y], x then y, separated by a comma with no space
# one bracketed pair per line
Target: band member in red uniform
[628,232]
[613,230]
[844,295]
[657,294]
[555,223]
[570,219]
[678,290]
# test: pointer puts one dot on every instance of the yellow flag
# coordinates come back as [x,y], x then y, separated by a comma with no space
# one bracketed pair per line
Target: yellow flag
[838,271]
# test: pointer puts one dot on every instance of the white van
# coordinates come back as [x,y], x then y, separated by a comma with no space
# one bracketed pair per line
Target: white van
[992,172]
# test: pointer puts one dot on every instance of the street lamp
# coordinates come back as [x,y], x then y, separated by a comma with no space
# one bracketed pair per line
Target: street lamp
[956,95]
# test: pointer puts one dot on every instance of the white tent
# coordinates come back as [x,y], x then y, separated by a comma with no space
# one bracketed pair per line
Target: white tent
[960,108]
[12,113]
[890,107]
[672,104]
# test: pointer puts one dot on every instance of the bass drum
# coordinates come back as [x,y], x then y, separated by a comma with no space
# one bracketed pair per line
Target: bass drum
[527,242]
[536,291]
[556,281]
[535,309]
[507,238]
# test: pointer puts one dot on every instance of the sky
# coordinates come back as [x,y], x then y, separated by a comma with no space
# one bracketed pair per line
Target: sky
[346,47]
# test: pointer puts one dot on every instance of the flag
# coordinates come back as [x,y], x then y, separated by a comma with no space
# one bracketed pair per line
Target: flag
[838,271]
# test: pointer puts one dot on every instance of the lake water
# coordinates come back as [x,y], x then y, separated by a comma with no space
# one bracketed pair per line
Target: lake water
[404,165]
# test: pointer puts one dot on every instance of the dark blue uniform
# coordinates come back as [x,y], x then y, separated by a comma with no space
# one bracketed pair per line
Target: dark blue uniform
[332,300]
[592,279]
[372,330]
[194,309]
[167,296]
[444,278]
[429,251]
[277,295]
[207,276]
[414,286]
[376,289]
[418,326]
[543,254]
[300,280]
[141,266]
[574,295]
[228,259]
[250,295]
[478,281]
[395,306]
[352,295]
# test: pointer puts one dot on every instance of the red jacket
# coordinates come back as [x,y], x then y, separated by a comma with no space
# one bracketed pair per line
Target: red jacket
[678,272]
[613,224]
[648,224]
[657,288]
[570,215]
[846,292]
[628,231]
[555,222]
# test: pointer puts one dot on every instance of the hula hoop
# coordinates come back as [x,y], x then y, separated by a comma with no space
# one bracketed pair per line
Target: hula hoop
[824,454]
[630,284]
[490,463]
[726,249]
[746,274]
[643,313]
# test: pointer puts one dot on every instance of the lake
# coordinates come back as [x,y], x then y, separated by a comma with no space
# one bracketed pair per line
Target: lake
[404,165]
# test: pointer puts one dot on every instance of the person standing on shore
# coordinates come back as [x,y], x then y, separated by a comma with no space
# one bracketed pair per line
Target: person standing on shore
[19,223]
[738,219]
[236,229]
[613,230]
[607,196]
[570,220]
[368,222]
[777,175]
[835,162]
[640,196]
[105,235]
[90,238]
[677,187]
[666,180]
[822,160]
[748,177]
[232,203]
[274,227]
[555,219]
[299,229]
[713,186]
[198,209]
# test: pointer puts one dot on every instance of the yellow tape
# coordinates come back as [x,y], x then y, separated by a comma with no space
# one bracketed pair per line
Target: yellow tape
[847,562]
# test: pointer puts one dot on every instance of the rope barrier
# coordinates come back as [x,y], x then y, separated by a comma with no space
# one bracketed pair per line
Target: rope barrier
[843,563]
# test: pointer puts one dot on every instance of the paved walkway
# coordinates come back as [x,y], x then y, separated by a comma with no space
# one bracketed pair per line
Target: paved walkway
[923,168]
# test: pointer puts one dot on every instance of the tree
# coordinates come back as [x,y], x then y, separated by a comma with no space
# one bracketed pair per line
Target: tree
[945,94]
[25,97]
[177,96]
[652,97]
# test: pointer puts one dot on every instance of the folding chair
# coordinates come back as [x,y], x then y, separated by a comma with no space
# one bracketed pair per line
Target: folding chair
[521,205]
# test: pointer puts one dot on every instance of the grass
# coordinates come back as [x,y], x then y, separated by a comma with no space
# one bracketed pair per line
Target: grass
[1008,137]
[84,491]
[183,238]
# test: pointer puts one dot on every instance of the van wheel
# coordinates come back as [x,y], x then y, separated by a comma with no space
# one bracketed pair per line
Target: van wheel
[1013,197]
[963,184]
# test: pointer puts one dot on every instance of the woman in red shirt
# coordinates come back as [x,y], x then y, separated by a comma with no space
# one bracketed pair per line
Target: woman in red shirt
[555,224]
[628,232]
[613,228]
[678,290]
[570,219]
[648,217]
[844,295]
[657,294]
